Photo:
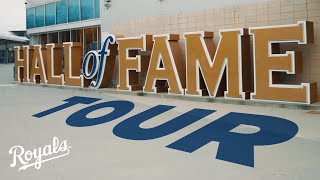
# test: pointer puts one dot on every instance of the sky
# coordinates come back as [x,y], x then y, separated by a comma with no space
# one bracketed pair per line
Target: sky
[12,15]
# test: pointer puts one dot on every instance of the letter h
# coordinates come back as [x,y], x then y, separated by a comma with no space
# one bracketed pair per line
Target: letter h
[22,64]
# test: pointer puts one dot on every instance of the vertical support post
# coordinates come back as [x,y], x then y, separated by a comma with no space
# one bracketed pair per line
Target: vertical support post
[6,53]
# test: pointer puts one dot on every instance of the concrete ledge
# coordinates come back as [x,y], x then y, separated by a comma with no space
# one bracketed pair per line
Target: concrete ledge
[315,106]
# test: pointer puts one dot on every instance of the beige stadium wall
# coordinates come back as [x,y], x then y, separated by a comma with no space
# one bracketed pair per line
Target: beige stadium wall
[210,17]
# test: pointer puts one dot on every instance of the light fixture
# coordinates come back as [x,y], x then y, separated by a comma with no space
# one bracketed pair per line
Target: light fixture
[10,48]
[107,3]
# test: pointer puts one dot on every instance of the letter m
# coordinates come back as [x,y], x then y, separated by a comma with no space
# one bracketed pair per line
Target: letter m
[229,61]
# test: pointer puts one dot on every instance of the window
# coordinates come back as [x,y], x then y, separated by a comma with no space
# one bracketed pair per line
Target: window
[53,37]
[30,18]
[97,8]
[77,35]
[87,9]
[91,39]
[40,16]
[34,39]
[73,10]
[43,39]
[2,56]
[51,14]
[64,36]
[61,11]
[99,38]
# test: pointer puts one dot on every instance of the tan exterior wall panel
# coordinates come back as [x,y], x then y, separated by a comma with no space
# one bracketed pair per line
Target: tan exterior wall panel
[272,12]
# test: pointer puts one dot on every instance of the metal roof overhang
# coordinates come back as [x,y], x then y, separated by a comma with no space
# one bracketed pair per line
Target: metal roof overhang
[12,38]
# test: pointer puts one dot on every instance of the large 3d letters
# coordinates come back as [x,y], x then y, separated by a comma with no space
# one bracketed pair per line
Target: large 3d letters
[54,64]
[39,64]
[228,56]
[22,66]
[266,40]
[130,63]
[72,64]
[166,65]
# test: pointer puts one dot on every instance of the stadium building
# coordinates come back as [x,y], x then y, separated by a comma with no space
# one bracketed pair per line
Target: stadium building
[64,21]
[89,21]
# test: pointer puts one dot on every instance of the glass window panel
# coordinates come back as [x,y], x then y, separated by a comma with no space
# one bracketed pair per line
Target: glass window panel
[2,56]
[30,18]
[40,16]
[77,35]
[99,38]
[91,39]
[53,38]
[87,9]
[34,39]
[64,36]
[61,11]
[73,10]
[43,39]
[51,14]
[97,8]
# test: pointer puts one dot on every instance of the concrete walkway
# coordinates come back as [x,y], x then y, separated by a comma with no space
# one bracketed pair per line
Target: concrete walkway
[97,153]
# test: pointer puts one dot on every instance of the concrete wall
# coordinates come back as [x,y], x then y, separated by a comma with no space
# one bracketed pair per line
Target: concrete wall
[174,16]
